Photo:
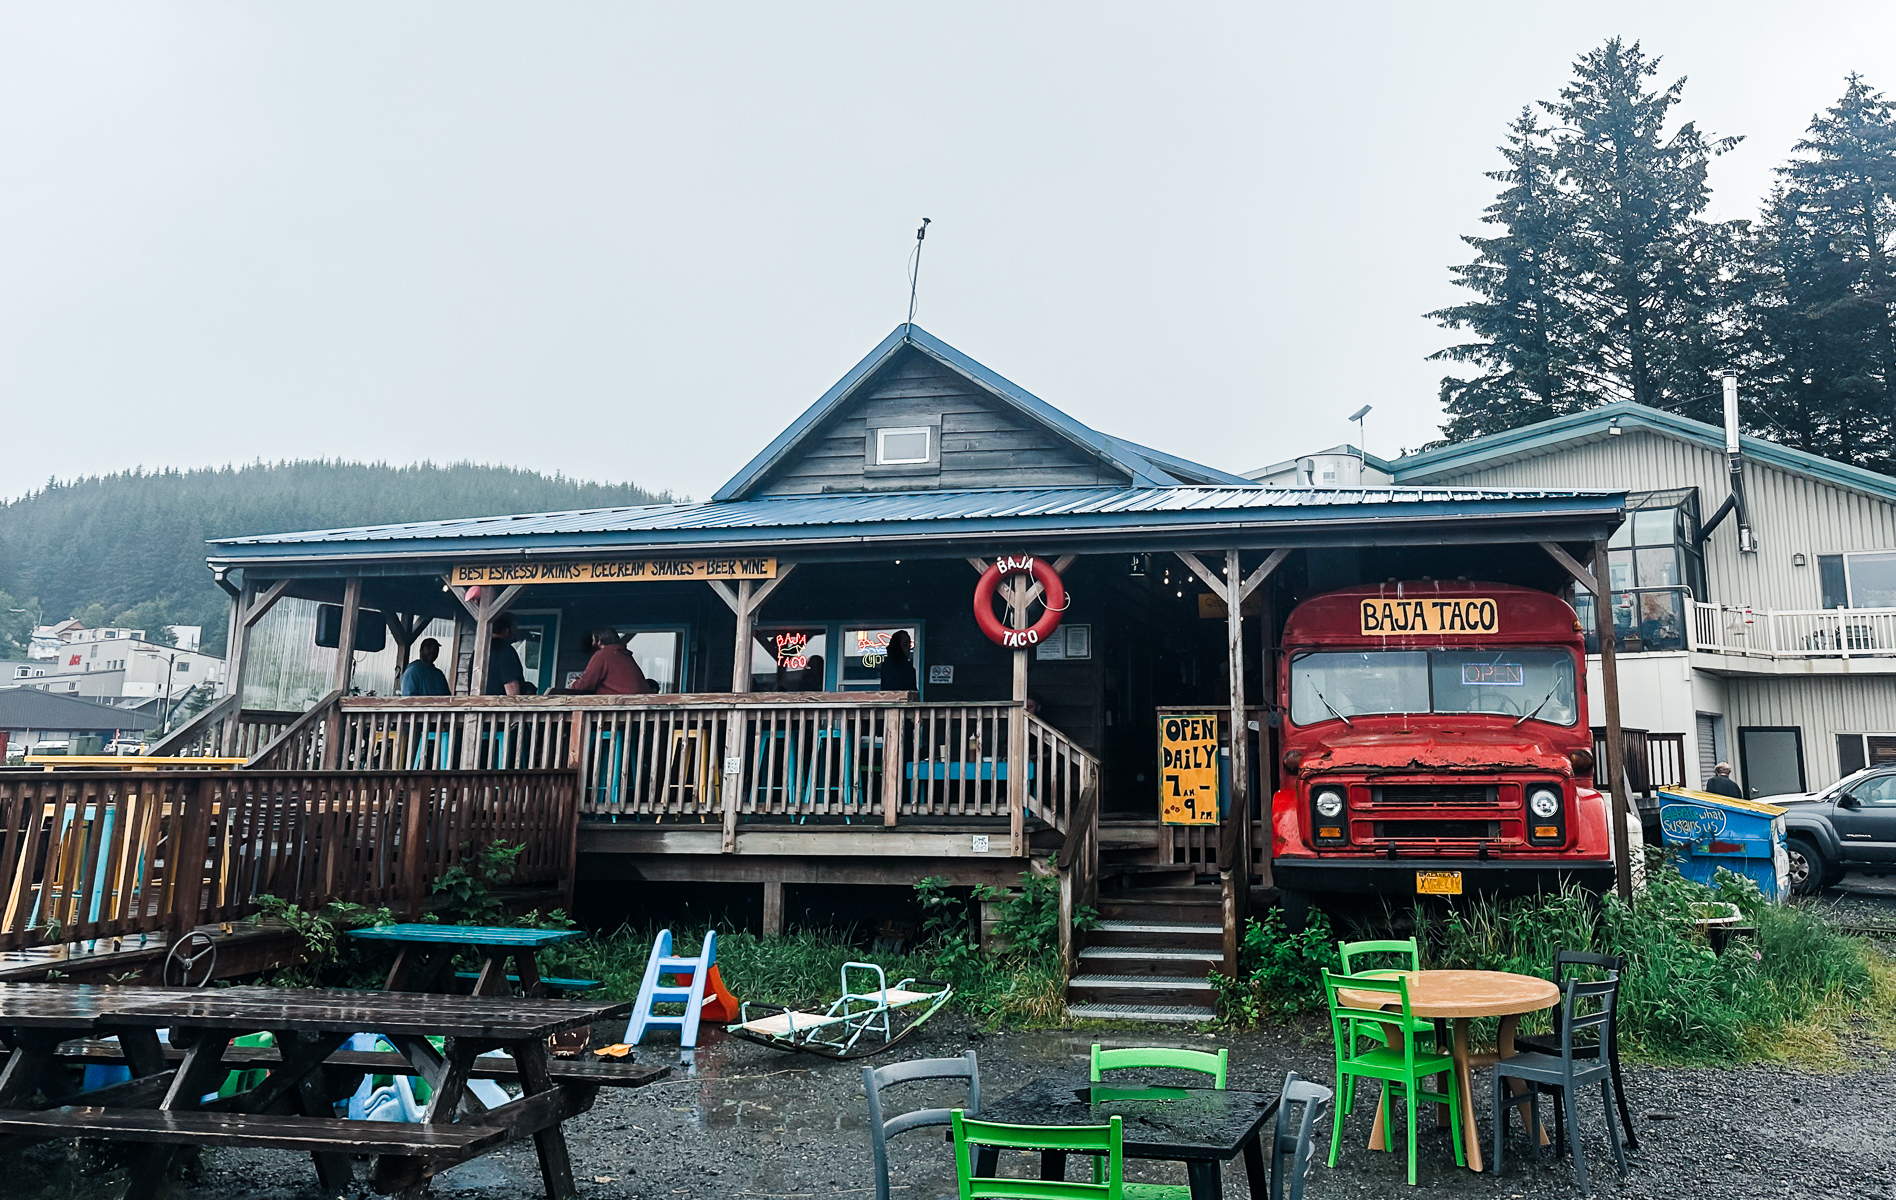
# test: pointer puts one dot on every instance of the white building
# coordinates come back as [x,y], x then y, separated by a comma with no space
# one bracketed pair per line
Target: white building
[1778,655]
[1340,466]
[121,665]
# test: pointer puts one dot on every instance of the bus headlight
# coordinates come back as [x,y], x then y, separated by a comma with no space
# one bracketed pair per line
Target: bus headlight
[1329,804]
[1544,803]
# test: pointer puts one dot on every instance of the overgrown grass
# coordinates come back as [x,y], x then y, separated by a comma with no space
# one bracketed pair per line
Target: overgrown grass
[1792,994]
[1021,985]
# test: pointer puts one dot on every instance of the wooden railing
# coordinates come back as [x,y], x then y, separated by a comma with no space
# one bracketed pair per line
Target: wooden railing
[1653,760]
[88,855]
[828,758]
[248,732]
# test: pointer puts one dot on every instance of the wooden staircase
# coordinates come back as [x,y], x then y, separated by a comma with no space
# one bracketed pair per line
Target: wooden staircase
[1160,935]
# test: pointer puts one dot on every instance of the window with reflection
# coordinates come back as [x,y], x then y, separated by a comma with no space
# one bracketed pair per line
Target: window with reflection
[1861,580]
[790,658]
[1655,568]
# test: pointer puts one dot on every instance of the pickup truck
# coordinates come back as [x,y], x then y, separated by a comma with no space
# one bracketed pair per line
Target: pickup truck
[1849,826]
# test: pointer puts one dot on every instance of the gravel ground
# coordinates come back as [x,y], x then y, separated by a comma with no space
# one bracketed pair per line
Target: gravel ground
[758,1123]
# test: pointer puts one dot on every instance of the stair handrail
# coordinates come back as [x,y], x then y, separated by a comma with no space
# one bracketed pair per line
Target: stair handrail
[264,758]
[185,734]
[1078,867]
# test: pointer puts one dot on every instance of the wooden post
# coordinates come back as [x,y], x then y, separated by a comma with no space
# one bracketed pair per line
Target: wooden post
[773,908]
[1234,851]
[252,608]
[414,820]
[1266,747]
[483,636]
[892,754]
[1017,733]
[1615,740]
[741,649]
[346,638]
[185,860]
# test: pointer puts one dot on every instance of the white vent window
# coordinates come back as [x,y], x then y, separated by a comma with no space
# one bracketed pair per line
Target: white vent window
[902,447]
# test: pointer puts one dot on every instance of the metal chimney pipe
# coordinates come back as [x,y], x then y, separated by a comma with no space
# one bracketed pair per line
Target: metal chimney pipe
[1731,413]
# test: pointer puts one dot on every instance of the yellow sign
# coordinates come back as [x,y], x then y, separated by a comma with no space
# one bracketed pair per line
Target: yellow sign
[1188,768]
[630,570]
[1386,617]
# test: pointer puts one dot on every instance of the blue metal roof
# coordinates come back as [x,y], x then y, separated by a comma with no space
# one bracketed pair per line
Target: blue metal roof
[1546,437]
[1146,468]
[784,521]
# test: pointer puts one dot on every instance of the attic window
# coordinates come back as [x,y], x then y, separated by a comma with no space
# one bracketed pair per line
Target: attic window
[903,447]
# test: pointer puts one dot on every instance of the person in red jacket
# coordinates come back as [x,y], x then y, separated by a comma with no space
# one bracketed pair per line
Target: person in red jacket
[612,671]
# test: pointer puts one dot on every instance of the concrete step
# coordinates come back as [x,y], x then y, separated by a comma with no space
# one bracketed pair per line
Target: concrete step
[1148,960]
[1165,935]
[1175,1014]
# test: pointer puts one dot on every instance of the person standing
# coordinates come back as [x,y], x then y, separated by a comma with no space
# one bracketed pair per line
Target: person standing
[897,673]
[423,678]
[1722,784]
[505,675]
[611,671]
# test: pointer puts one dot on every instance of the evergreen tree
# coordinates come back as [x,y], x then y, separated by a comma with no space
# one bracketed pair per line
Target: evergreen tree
[1646,269]
[1608,284]
[1526,329]
[1825,292]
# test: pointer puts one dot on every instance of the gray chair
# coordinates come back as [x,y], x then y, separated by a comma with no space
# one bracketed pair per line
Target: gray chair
[1295,1146]
[882,1128]
[1608,964]
[1574,1067]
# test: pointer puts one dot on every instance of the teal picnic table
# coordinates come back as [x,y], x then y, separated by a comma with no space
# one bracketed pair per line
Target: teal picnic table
[425,959]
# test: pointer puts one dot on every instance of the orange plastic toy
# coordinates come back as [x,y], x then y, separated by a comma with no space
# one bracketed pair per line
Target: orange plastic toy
[719,1005]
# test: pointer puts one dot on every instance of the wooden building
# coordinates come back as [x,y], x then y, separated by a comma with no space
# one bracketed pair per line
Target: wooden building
[773,758]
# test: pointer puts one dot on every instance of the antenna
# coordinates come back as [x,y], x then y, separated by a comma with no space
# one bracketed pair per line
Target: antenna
[915,273]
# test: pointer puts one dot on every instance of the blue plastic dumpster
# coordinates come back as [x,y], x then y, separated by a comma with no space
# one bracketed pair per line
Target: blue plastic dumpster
[1742,836]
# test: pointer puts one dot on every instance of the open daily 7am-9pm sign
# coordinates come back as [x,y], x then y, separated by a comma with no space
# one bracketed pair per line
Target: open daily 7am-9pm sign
[1396,617]
[1188,768]
[630,570]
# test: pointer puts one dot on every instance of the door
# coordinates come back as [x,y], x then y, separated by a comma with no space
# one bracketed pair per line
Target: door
[536,639]
[1868,831]
[1772,759]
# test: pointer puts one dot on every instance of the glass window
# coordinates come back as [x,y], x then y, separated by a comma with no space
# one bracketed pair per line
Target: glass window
[1658,566]
[1880,791]
[898,446]
[1513,682]
[1872,579]
[1619,569]
[1517,681]
[1344,684]
[657,653]
[1654,526]
[790,659]
[865,648]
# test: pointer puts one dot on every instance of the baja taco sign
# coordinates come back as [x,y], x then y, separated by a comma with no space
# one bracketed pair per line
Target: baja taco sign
[1400,617]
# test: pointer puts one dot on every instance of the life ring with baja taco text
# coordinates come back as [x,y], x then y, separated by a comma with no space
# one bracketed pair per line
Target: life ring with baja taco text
[1053,599]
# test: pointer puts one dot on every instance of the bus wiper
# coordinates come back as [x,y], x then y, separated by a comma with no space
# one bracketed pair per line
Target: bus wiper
[1333,709]
[1535,712]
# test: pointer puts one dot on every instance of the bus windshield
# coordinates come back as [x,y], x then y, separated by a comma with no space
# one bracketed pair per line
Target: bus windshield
[1515,682]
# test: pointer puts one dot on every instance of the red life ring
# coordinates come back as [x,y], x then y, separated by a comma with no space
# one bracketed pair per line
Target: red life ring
[1053,599]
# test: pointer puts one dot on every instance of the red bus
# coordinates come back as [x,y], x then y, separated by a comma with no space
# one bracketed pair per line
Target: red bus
[1435,740]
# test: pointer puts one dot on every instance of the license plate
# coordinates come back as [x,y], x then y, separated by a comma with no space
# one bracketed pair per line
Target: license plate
[1438,883]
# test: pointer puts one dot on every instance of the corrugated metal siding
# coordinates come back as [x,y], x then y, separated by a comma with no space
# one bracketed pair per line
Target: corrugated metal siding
[1790,513]
[1822,707]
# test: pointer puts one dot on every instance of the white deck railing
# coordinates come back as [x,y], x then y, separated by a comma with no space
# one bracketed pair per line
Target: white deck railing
[1794,633]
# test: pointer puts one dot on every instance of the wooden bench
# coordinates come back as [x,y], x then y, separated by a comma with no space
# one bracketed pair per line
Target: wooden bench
[595,1072]
[271,1132]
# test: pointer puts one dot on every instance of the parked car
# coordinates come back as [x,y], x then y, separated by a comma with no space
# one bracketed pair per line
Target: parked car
[125,746]
[1849,826]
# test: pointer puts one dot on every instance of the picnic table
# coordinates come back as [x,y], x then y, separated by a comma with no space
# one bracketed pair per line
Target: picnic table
[1202,1127]
[1461,996]
[425,959]
[162,1105]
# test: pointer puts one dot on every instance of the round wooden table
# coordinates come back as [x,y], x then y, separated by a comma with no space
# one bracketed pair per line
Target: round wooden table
[1461,996]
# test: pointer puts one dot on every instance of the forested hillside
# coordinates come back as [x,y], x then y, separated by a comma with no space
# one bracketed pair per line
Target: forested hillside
[129,548]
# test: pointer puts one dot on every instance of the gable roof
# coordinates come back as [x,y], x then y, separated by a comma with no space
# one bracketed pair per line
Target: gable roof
[31,708]
[1145,467]
[1576,429]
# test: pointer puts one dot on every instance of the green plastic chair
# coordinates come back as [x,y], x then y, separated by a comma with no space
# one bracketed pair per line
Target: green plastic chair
[1131,1057]
[1202,1061]
[1397,1070]
[1106,1141]
[1408,957]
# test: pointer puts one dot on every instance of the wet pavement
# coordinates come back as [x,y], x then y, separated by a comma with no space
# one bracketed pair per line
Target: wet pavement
[759,1123]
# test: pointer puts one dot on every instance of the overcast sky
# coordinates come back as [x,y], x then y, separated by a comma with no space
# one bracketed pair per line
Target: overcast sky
[631,242]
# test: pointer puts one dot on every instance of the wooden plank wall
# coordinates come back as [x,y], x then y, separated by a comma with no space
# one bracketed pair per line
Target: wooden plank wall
[984,442]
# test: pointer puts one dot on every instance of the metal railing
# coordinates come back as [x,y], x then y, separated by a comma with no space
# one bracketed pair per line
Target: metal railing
[110,854]
[1840,633]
